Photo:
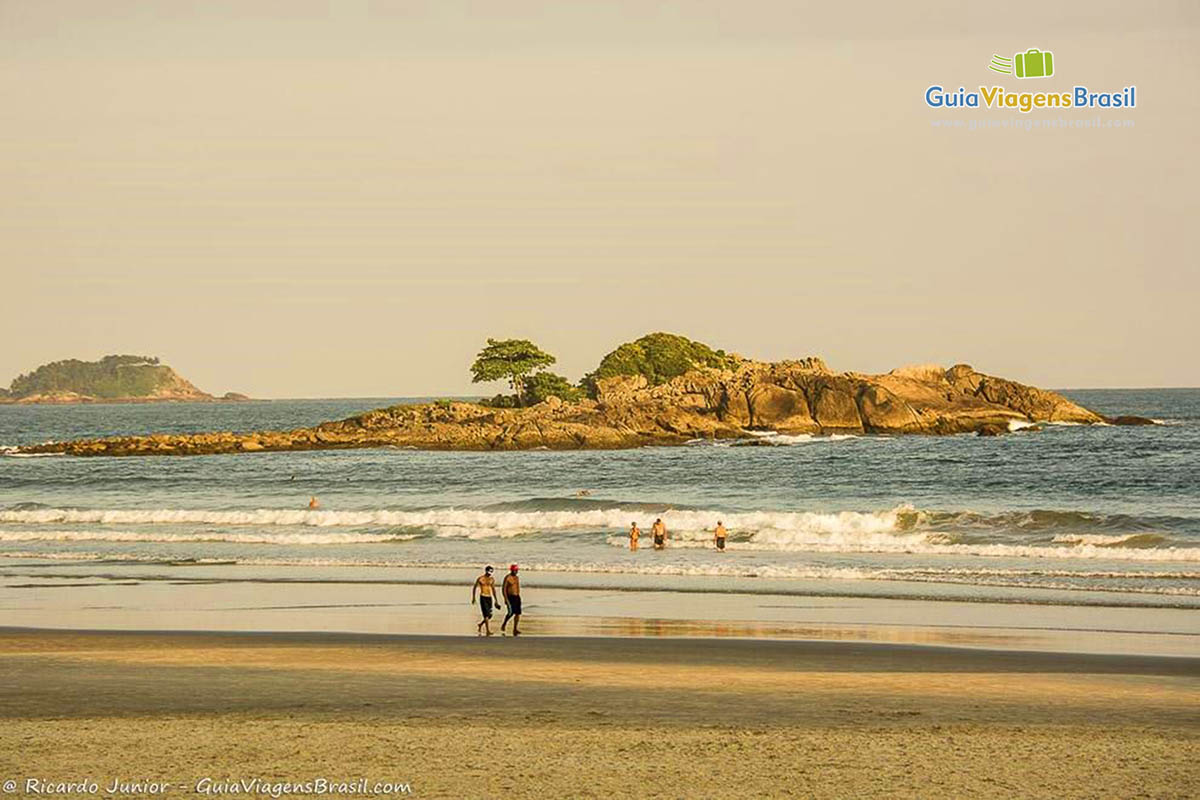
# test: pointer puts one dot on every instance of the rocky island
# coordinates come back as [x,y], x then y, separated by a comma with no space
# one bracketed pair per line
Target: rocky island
[660,390]
[112,379]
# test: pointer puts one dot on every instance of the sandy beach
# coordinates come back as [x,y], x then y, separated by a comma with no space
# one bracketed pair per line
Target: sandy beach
[597,717]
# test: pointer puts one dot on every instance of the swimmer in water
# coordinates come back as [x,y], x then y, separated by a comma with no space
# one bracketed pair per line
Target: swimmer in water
[659,531]
[719,535]
[313,505]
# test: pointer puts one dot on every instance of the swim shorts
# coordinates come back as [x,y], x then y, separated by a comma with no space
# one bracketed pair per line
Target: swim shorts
[485,605]
[514,604]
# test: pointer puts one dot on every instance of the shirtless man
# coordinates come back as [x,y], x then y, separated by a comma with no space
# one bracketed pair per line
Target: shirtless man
[719,535]
[635,533]
[313,505]
[659,531]
[512,597]
[485,584]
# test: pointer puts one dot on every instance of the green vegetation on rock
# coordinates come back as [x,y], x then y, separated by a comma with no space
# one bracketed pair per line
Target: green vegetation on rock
[659,357]
[116,376]
[542,385]
[509,359]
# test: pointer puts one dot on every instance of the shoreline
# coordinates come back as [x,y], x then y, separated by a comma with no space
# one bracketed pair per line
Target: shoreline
[615,580]
[435,602]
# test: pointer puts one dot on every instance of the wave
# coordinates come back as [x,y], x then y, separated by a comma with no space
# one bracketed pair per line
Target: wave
[11,452]
[784,439]
[1049,521]
[922,544]
[903,529]
[204,536]
[451,520]
[1102,540]
[1060,580]
[775,438]
[584,503]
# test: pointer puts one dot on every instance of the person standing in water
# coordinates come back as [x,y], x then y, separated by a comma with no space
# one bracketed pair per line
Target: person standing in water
[719,534]
[659,531]
[635,533]
[512,598]
[313,505]
[485,584]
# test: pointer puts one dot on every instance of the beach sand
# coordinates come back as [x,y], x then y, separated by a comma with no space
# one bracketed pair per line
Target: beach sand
[597,717]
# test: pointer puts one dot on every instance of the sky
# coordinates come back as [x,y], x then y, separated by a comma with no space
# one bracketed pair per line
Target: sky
[338,199]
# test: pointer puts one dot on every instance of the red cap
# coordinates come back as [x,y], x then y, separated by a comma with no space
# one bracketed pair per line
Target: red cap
[513,567]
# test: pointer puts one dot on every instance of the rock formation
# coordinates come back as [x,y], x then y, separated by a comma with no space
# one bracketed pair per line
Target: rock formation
[112,379]
[706,403]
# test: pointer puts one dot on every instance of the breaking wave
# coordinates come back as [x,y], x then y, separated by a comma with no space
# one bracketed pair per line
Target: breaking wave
[11,451]
[496,521]
[903,529]
[204,536]
[1119,540]
[1151,583]
[929,544]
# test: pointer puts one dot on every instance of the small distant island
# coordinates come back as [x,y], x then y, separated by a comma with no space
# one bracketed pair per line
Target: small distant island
[112,379]
[661,389]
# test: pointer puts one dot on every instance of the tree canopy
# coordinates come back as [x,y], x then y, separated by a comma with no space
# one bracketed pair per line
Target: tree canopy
[511,360]
[659,357]
[110,377]
[542,385]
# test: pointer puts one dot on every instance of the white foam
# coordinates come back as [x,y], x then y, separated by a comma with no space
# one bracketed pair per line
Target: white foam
[201,536]
[785,439]
[1101,539]
[11,452]
[472,523]
[893,531]
[1063,580]
[928,544]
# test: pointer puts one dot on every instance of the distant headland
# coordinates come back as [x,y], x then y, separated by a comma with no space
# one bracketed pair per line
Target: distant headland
[112,379]
[661,389]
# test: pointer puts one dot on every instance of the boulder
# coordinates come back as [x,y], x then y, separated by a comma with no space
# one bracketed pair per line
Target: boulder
[883,411]
[834,407]
[734,408]
[991,429]
[772,406]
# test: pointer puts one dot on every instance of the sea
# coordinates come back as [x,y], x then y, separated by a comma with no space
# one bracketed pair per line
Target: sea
[1066,515]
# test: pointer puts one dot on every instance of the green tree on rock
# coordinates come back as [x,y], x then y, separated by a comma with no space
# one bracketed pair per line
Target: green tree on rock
[510,359]
[542,385]
[658,357]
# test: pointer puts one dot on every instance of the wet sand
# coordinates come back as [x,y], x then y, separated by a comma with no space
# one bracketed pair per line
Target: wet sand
[598,717]
[410,601]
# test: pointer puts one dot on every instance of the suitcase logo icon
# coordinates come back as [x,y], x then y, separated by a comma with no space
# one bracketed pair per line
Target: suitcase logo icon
[1033,63]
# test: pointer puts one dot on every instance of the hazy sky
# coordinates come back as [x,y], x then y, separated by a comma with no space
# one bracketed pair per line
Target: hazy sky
[346,198]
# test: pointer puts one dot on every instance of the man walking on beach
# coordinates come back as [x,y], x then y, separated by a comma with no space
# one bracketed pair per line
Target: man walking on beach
[659,532]
[485,584]
[512,598]
[635,533]
[719,535]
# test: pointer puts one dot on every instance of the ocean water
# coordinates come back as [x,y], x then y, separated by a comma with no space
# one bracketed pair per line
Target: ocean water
[1069,515]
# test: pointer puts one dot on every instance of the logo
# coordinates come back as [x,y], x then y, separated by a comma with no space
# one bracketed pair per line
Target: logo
[1033,63]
